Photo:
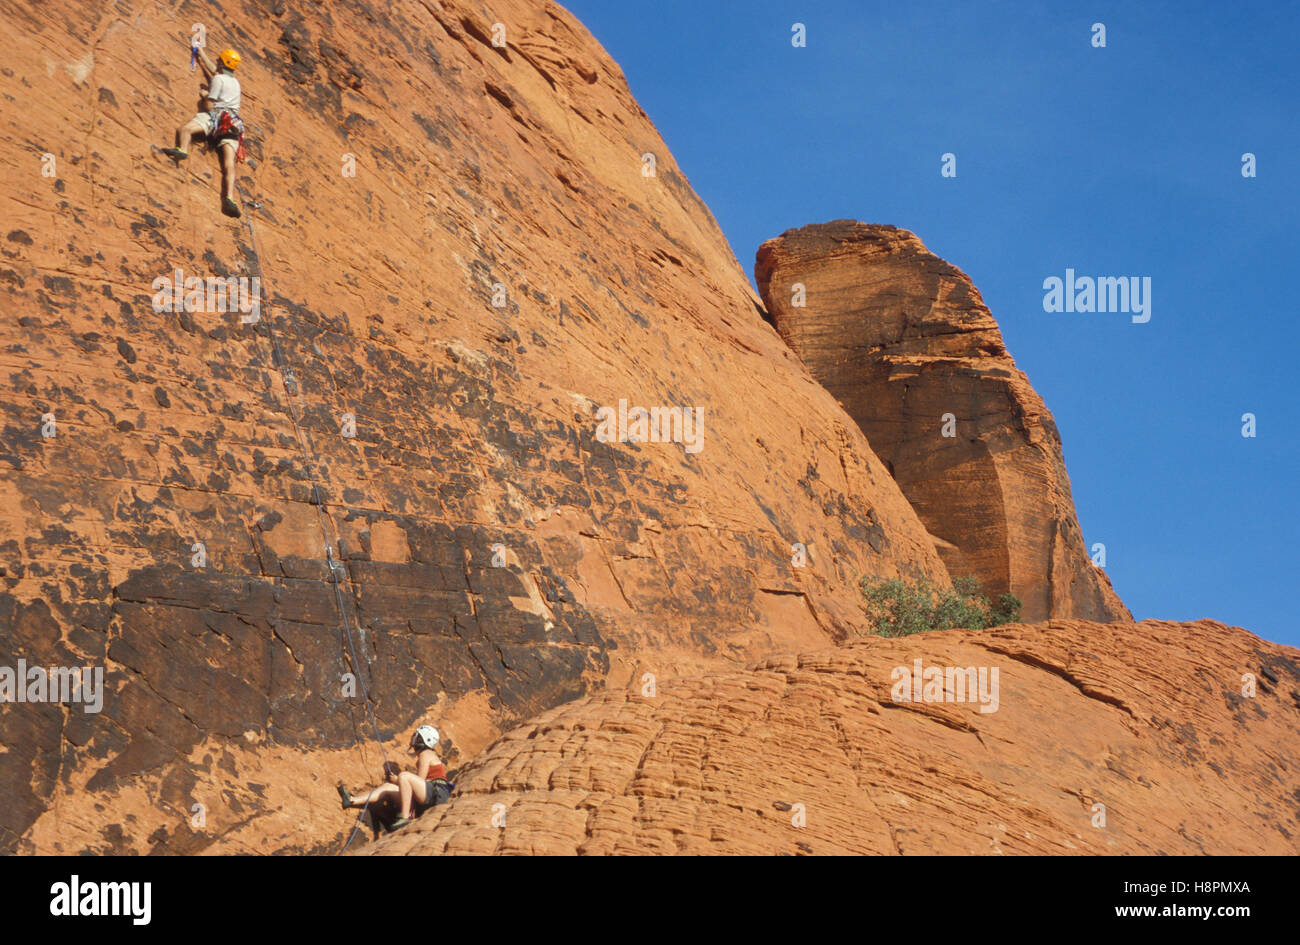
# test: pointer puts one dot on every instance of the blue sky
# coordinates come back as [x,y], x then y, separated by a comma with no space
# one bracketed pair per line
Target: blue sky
[1117,161]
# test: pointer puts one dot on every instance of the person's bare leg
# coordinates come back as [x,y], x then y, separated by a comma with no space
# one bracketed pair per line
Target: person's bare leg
[361,800]
[185,134]
[228,169]
[411,788]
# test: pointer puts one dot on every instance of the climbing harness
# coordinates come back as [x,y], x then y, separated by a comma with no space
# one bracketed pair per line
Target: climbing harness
[229,125]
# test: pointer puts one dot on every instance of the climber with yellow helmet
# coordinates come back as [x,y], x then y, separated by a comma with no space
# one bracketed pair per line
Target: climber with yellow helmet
[219,122]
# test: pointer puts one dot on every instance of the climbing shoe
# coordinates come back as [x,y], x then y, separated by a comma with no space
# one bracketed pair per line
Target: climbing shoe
[229,207]
[176,153]
[399,823]
[346,797]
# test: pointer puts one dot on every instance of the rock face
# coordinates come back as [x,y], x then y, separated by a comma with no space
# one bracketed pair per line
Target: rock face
[1107,738]
[462,259]
[904,341]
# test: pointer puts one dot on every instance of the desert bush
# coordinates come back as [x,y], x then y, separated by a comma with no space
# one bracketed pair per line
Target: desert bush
[897,607]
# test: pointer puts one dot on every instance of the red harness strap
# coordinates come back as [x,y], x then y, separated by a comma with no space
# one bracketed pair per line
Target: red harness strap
[227,128]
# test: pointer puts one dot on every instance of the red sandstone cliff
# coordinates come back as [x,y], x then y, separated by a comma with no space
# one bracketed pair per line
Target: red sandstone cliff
[482,174]
[500,562]
[904,341]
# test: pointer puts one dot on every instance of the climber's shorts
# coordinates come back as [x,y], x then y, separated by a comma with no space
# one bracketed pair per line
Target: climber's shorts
[437,792]
[204,121]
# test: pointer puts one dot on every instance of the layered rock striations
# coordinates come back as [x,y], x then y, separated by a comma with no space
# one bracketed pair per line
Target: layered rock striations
[1091,738]
[903,340]
[461,259]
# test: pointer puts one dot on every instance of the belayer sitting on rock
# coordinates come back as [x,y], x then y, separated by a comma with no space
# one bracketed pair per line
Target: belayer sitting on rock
[416,791]
[220,123]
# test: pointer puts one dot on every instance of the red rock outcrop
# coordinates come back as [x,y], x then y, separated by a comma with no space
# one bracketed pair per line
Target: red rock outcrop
[462,254]
[1115,738]
[904,341]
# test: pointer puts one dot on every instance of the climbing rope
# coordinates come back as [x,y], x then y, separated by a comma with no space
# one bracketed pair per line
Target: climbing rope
[310,461]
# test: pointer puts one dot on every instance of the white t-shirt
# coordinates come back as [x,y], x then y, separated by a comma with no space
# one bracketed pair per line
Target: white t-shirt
[224,92]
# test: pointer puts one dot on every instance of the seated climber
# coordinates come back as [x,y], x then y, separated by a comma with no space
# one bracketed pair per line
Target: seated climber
[415,792]
[220,122]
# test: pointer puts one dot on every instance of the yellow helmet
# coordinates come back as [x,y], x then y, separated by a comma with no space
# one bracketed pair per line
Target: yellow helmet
[230,59]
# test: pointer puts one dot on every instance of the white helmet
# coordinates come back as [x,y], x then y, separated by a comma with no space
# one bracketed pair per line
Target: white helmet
[426,736]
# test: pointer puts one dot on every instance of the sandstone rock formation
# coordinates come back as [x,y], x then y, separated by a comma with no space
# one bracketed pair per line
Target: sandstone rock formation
[394,479]
[903,339]
[497,269]
[1107,738]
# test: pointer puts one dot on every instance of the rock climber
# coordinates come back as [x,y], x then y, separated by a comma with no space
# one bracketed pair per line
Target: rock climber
[421,789]
[220,122]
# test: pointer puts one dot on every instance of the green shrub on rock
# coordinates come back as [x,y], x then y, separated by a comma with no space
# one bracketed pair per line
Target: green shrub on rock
[897,607]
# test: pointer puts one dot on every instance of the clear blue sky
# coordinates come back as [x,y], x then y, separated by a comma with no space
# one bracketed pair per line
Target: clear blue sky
[1117,161]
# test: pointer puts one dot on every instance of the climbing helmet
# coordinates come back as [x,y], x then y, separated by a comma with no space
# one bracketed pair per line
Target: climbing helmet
[426,736]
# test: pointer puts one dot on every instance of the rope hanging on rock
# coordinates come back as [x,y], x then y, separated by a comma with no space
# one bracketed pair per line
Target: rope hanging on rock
[337,570]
